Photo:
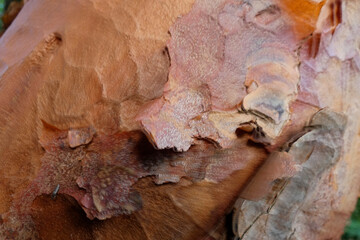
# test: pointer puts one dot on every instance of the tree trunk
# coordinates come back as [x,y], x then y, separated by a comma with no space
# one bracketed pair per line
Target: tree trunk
[179,119]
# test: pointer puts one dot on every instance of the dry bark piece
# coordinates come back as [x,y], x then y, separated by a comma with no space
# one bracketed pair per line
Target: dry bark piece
[316,152]
[204,49]
[78,137]
[111,164]
[212,92]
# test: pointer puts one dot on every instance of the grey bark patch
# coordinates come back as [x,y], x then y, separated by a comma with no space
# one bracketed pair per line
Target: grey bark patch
[316,151]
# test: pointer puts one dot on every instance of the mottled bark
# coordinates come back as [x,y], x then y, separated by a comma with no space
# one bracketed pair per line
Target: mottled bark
[179,119]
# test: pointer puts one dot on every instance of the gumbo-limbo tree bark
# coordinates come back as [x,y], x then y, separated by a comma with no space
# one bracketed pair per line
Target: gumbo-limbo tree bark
[166,119]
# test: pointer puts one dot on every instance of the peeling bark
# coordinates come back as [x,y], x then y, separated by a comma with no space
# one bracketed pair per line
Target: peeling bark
[156,119]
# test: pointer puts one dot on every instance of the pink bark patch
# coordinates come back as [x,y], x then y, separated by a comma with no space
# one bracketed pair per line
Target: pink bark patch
[218,55]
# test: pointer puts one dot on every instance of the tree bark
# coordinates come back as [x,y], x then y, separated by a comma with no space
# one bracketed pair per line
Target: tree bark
[179,119]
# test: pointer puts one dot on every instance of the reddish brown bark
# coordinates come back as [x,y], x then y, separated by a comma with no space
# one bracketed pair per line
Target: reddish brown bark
[177,119]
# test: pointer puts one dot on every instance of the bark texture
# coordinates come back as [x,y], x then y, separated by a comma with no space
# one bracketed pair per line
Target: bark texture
[179,119]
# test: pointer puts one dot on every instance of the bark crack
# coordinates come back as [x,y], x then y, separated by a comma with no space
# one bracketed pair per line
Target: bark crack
[248,228]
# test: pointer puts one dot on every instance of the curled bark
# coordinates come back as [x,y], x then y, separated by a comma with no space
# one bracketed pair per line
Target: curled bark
[247,107]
